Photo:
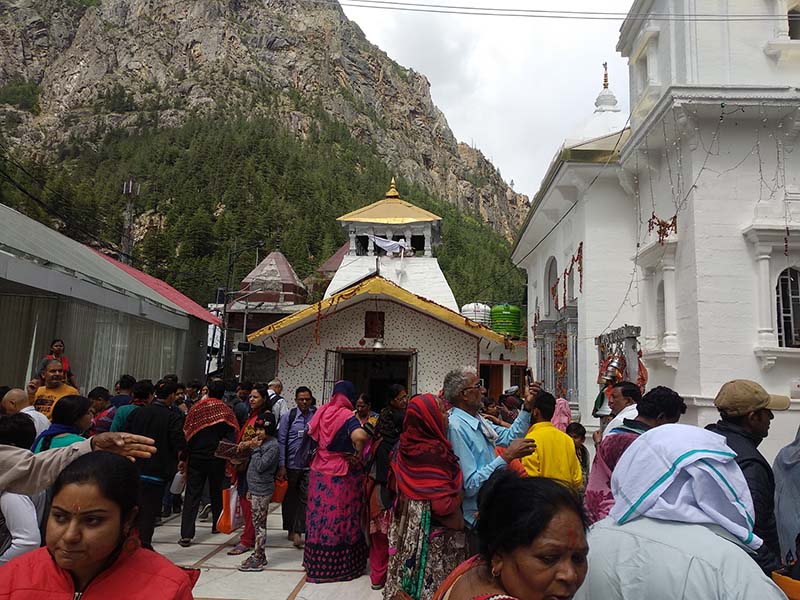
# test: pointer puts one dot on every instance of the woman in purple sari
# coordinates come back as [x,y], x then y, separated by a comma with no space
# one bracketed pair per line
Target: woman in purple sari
[335,547]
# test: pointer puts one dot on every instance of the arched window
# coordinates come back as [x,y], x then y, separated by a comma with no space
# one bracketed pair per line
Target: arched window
[552,281]
[788,295]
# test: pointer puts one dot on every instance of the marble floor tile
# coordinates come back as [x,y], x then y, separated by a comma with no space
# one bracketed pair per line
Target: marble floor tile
[235,585]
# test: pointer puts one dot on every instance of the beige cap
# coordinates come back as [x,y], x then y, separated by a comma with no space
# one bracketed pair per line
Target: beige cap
[742,396]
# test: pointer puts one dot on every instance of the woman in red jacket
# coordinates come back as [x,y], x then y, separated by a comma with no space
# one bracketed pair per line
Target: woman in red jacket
[91,552]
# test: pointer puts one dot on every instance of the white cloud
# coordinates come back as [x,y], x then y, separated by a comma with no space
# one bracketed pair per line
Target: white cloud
[513,87]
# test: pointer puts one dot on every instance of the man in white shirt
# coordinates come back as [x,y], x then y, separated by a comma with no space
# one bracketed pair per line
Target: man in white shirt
[20,516]
[624,398]
[17,401]
[278,402]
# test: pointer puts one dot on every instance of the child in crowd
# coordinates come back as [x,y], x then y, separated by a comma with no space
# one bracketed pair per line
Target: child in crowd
[578,434]
[261,484]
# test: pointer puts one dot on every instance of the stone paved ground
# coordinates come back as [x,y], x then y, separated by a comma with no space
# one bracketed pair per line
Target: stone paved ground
[282,578]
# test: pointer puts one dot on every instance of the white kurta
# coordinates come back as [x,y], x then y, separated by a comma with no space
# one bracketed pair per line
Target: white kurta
[665,560]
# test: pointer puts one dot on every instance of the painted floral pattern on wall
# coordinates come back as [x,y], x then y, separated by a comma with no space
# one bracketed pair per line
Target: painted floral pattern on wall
[440,347]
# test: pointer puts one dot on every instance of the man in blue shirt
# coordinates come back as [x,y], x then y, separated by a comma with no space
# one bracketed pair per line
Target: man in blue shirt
[474,438]
[294,463]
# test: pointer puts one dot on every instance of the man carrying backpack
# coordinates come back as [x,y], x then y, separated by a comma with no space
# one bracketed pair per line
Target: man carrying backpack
[296,449]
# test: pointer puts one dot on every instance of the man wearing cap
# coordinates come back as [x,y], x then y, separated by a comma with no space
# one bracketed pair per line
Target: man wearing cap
[745,410]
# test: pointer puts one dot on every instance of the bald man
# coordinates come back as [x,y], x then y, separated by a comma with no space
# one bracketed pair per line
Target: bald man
[17,401]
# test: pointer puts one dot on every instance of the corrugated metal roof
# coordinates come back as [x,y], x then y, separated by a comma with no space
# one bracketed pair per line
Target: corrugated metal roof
[335,261]
[26,238]
[166,290]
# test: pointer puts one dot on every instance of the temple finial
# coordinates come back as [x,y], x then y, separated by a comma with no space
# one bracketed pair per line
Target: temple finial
[605,75]
[392,193]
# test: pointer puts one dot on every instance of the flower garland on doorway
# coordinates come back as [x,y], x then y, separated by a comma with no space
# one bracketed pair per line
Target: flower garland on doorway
[560,364]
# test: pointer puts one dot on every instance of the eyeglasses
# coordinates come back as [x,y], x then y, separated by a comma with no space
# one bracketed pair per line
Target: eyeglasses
[477,386]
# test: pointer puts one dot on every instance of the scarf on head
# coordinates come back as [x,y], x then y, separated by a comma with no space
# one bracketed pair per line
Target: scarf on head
[208,413]
[46,437]
[331,416]
[425,466]
[562,417]
[685,474]
[787,492]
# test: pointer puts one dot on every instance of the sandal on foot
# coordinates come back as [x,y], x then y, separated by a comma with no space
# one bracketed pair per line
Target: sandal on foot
[238,549]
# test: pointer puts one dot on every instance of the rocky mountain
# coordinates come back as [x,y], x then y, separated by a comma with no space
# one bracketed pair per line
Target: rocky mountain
[92,66]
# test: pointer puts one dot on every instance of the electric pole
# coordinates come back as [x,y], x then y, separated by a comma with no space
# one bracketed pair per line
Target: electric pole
[130,190]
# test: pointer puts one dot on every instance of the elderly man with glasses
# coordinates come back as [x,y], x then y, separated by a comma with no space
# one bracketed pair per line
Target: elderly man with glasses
[474,439]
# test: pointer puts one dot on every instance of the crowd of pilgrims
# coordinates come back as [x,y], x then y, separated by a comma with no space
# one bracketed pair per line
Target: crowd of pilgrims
[442,496]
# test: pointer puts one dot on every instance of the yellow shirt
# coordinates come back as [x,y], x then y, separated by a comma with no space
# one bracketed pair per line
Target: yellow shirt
[46,398]
[555,455]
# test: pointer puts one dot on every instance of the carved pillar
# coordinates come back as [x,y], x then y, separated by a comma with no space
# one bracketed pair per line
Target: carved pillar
[766,330]
[650,313]
[428,241]
[352,251]
[371,243]
[782,24]
[670,322]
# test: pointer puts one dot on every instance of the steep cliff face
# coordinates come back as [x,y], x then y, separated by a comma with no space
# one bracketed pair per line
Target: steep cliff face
[104,64]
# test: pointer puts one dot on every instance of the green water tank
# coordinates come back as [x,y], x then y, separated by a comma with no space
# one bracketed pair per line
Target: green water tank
[506,319]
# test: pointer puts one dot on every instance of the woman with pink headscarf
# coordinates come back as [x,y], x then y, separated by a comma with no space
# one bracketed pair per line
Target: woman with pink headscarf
[335,547]
[563,415]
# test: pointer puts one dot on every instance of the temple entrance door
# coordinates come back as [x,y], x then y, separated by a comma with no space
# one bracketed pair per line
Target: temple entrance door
[556,344]
[374,373]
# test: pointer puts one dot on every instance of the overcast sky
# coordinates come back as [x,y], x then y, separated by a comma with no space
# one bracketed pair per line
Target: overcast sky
[513,87]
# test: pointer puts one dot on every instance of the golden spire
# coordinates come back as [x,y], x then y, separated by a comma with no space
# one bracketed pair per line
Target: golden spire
[392,193]
[605,75]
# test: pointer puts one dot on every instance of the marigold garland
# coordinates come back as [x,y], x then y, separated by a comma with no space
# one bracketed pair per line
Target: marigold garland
[560,364]
[663,227]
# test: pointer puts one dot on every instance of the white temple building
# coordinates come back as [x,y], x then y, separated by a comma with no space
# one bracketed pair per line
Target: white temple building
[388,315]
[682,217]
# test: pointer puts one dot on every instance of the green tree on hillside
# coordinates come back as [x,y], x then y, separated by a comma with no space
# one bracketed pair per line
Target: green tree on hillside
[225,183]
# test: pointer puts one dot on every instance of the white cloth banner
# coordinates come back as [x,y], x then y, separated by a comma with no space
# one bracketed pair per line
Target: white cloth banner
[390,246]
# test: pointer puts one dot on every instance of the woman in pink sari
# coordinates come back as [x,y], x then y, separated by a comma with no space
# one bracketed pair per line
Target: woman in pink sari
[336,549]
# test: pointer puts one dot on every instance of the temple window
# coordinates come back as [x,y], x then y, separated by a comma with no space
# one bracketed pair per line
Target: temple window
[788,300]
[552,282]
[794,24]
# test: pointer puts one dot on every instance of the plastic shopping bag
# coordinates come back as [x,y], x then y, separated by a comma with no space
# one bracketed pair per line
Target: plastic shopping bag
[178,484]
[231,517]
[279,493]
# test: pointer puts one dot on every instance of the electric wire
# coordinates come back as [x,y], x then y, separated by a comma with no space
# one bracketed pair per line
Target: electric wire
[426,7]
